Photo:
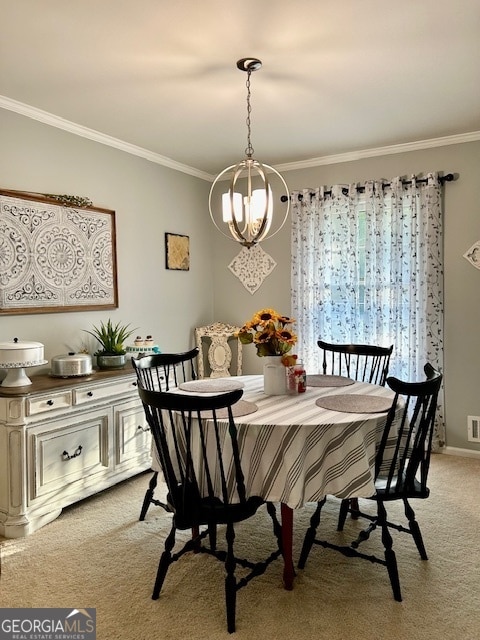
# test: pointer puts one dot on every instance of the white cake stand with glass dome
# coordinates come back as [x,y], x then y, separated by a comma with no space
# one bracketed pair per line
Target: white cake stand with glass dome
[15,357]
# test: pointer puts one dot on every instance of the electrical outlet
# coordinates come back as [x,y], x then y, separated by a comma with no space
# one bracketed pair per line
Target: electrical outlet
[473,426]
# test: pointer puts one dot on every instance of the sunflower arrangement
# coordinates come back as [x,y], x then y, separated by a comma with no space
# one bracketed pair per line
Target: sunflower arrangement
[269,332]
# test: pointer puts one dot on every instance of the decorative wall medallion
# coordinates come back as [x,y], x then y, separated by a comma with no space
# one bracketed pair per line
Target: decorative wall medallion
[55,257]
[252,266]
[473,255]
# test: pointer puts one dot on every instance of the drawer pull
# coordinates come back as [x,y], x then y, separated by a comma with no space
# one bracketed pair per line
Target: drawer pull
[144,429]
[134,384]
[50,403]
[90,394]
[75,454]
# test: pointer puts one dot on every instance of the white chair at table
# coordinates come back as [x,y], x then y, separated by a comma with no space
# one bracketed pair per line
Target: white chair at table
[219,337]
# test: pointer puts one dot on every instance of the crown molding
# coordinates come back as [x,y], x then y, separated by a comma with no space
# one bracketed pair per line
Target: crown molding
[350,156]
[84,132]
[97,136]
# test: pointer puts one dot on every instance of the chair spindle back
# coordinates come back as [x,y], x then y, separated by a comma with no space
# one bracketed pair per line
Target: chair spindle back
[366,363]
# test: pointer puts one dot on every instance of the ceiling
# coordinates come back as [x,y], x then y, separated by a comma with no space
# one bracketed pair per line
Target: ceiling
[338,76]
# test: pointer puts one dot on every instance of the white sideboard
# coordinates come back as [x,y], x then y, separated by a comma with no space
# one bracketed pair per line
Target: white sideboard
[62,440]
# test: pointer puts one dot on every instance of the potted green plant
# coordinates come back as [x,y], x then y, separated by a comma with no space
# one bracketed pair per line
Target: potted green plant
[112,337]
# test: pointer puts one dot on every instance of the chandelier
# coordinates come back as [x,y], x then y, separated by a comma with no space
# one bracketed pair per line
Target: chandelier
[247,208]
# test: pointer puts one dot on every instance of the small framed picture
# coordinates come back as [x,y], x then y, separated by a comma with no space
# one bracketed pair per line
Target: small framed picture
[177,252]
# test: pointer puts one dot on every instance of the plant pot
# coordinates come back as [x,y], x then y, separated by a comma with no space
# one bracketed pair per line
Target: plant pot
[111,362]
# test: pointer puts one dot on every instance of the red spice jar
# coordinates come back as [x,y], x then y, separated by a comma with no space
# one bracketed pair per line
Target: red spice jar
[300,377]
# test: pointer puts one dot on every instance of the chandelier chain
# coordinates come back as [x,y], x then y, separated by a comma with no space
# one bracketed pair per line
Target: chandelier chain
[249,150]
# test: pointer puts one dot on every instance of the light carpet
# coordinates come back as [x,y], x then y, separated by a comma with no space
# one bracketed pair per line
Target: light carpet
[97,554]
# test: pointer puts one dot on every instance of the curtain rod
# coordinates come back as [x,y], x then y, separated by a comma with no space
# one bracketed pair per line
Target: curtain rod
[449,177]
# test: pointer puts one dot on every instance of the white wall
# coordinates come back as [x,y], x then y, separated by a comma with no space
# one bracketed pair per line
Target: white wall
[462,281]
[149,200]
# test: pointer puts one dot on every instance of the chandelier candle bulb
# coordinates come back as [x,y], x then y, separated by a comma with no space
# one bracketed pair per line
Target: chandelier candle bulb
[227,200]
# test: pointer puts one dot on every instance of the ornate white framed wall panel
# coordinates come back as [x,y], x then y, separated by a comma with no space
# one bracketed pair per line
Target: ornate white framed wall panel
[55,257]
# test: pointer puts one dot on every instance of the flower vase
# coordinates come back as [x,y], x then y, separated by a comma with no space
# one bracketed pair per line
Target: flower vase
[274,376]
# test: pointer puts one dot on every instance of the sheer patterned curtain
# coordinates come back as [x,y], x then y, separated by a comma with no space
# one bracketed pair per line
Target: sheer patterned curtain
[367,267]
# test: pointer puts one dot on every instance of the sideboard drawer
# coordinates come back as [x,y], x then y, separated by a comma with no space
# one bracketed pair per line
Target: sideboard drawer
[48,402]
[62,454]
[97,392]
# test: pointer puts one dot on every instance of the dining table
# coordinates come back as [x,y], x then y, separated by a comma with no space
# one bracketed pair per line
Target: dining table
[297,448]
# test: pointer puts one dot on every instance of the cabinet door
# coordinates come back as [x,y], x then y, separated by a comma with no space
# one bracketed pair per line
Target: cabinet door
[132,434]
[68,451]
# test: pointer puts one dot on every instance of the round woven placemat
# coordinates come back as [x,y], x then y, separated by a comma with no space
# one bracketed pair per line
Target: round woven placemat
[353,403]
[240,408]
[320,380]
[211,385]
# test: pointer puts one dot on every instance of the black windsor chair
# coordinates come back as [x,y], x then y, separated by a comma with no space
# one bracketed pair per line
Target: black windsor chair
[362,362]
[196,439]
[402,478]
[160,372]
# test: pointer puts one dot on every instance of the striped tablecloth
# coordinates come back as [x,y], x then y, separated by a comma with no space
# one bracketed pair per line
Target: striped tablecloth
[295,452]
